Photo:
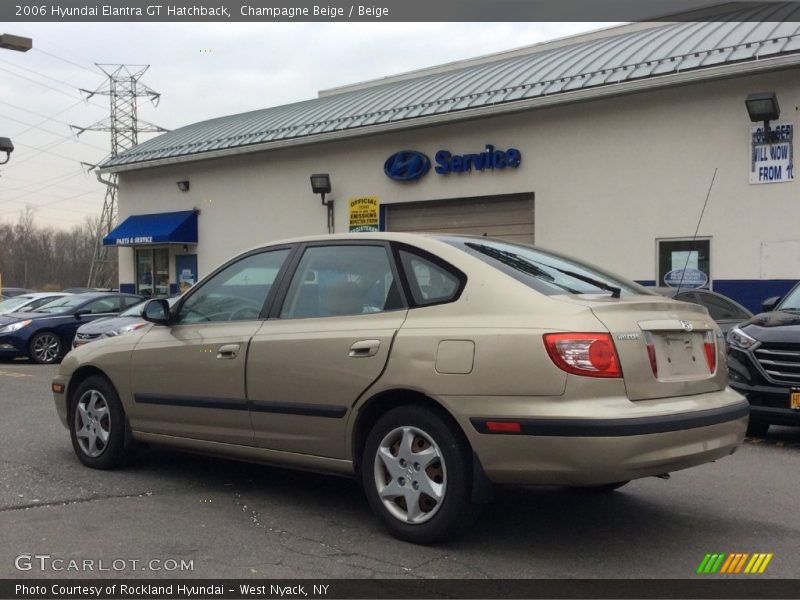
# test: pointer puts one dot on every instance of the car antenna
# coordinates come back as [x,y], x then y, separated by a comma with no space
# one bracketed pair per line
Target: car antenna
[696,229]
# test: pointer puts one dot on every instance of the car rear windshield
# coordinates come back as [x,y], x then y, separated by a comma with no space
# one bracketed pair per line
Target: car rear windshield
[546,272]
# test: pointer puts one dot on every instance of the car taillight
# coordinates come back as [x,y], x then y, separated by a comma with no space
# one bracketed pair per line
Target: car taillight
[711,351]
[587,354]
[651,352]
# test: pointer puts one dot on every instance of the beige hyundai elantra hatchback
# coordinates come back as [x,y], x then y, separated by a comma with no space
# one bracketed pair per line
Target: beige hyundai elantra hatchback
[428,366]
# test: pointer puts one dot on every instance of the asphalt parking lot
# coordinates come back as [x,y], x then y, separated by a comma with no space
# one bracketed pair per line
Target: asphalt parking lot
[232,519]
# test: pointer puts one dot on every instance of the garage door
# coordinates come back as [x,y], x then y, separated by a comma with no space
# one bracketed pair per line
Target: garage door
[507,217]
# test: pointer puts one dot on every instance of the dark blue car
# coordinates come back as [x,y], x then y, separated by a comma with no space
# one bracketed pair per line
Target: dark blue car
[45,335]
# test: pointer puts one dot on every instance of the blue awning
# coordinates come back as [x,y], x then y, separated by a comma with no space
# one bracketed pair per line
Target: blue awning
[158,228]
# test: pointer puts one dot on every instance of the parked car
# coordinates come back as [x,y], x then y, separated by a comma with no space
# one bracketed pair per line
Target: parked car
[126,322]
[83,290]
[28,302]
[10,292]
[764,363]
[726,312]
[45,334]
[430,366]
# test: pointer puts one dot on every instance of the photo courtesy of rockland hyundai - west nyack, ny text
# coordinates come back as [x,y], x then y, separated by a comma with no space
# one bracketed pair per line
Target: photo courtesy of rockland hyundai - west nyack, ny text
[412,300]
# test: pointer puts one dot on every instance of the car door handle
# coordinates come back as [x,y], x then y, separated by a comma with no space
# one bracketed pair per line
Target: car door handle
[228,351]
[364,348]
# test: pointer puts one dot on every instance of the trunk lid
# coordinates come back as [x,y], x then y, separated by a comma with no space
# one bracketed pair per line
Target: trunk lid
[676,333]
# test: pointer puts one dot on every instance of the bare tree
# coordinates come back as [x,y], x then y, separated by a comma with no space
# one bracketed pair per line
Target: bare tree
[44,258]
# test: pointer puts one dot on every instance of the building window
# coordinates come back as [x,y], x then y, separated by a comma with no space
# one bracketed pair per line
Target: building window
[152,271]
[684,263]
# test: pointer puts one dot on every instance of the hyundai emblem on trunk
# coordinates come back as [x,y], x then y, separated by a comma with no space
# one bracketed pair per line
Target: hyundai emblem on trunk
[686,325]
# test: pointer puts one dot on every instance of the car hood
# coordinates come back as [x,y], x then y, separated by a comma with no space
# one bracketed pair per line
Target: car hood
[103,325]
[21,316]
[778,327]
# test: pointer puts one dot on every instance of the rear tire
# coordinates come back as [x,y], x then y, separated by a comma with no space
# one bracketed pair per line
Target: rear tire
[417,474]
[757,428]
[97,425]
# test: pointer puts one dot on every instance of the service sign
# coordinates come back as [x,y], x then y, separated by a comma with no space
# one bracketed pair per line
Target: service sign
[772,162]
[687,278]
[364,213]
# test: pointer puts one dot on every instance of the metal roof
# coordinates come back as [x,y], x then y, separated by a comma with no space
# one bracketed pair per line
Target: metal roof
[663,51]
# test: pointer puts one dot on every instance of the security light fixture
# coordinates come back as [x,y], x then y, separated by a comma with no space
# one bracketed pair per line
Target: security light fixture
[762,106]
[183,185]
[321,184]
[7,147]
[15,42]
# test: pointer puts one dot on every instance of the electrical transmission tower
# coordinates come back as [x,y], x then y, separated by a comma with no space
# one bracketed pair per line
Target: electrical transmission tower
[124,89]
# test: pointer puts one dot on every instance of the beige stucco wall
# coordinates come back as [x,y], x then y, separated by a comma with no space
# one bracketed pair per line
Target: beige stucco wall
[610,177]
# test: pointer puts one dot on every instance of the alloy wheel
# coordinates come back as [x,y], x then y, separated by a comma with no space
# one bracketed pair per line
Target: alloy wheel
[92,423]
[46,347]
[410,475]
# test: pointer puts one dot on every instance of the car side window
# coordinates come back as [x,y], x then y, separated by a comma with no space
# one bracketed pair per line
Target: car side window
[429,282]
[104,305]
[237,293]
[127,302]
[37,303]
[719,308]
[341,280]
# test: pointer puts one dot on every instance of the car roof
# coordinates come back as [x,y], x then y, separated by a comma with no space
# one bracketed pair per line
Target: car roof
[42,294]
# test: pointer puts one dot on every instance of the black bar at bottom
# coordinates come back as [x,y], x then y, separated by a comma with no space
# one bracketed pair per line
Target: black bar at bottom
[708,586]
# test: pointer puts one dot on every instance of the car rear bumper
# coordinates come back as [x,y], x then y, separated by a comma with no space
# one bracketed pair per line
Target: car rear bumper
[610,448]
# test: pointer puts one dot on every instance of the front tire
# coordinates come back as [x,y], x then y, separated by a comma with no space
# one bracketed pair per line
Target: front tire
[45,348]
[417,474]
[98,426]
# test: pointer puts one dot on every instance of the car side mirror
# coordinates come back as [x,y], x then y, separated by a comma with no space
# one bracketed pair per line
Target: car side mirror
[81,312]
[769,304]
[157,311]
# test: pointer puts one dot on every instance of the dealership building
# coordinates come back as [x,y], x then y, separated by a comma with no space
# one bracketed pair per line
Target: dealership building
[603,146]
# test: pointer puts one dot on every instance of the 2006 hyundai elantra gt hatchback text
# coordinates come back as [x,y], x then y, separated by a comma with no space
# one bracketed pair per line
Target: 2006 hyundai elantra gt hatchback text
[429,366]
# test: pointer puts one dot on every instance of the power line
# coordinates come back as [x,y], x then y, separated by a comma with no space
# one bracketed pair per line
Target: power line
[29,70]
[48,204]
[48,131]
[47,151]
[62,59]
[49,87]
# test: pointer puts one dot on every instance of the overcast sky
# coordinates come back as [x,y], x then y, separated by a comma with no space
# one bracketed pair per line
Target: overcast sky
[201,71]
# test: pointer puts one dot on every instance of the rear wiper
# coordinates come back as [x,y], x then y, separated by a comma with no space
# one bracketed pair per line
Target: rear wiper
[615,291]
[512,260]
[517,262]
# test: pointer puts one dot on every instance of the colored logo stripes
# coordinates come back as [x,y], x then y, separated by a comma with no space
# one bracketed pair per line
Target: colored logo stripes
[738,562]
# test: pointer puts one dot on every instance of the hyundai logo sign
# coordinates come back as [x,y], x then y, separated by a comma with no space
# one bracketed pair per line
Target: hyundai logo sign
[406,165]
[409,165]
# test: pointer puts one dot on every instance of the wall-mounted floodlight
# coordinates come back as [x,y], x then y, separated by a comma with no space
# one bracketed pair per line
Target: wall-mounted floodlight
[15,42]
[7,147]
[183,185]
[763,107]
[321,184]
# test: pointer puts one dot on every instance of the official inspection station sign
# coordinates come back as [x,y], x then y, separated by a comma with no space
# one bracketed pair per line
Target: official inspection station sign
[772,161]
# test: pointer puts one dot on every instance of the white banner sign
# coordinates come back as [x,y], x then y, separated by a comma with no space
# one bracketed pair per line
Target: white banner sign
[772,162]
